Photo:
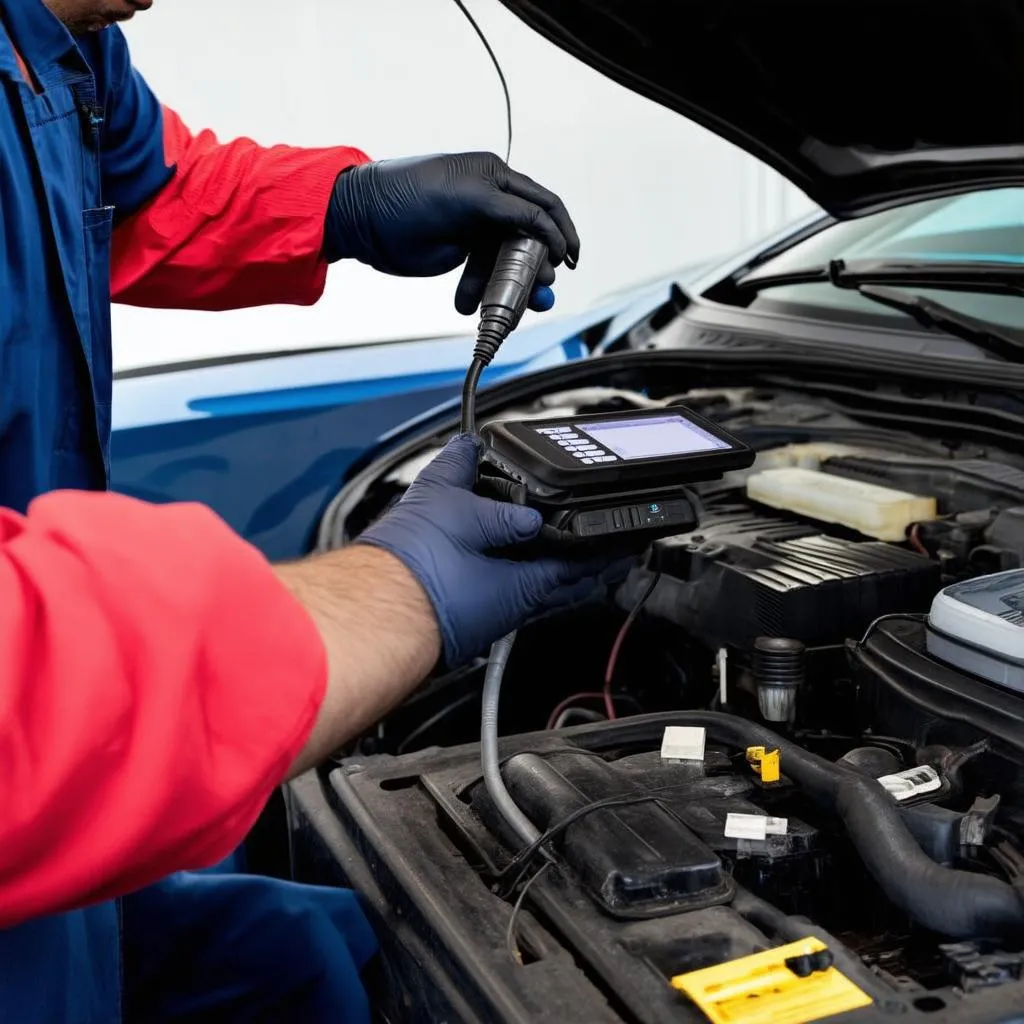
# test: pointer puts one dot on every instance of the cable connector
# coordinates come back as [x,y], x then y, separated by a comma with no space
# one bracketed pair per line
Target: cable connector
[502,307]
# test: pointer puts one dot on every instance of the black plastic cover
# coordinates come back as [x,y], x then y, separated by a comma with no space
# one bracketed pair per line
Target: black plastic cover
[633,859]
[742,575]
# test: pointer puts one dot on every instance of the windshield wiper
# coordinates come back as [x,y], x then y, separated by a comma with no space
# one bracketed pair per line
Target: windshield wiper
[993,276]
[930,313]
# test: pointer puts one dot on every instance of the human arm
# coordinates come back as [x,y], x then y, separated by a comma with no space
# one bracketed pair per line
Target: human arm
[200,223]
[208,225]
[235,225]
[379,633]
[158,681]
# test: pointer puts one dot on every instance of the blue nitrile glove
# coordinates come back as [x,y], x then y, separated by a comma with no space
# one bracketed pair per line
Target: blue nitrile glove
[441,531]
[423,216]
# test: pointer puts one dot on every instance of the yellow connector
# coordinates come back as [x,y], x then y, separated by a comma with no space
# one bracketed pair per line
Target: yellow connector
[765,762]
[794,984]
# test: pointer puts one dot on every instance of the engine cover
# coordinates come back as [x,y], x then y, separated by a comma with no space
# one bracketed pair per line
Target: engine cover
[645,889]
[742,575]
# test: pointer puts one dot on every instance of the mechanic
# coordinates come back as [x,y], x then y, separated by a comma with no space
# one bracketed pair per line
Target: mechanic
[159,679]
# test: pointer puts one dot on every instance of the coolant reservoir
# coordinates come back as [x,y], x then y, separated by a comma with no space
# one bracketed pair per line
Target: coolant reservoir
[875,511]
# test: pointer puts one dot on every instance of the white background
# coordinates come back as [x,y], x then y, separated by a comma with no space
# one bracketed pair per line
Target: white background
[648,190]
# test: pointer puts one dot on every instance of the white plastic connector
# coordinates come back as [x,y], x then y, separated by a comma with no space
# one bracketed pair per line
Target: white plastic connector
[683,743]
[912,782]
[754,826]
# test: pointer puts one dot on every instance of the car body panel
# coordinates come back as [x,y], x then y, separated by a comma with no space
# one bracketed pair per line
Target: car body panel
[266,440]
[863,104]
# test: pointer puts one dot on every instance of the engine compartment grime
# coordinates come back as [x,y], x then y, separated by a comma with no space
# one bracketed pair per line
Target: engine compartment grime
[843,840]
[644,885]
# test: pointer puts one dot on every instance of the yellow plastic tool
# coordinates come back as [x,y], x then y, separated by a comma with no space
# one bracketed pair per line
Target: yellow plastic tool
[764,989]
[765,762]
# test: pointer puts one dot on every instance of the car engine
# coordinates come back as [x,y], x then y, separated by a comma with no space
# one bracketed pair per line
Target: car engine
[766,790]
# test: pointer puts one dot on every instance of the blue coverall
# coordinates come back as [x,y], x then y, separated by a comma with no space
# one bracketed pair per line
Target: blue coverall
[208,946]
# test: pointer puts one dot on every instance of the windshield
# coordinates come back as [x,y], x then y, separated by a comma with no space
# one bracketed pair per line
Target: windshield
[980,226]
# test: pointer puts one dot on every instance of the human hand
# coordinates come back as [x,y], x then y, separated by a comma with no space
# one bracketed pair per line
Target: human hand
[442,532]
[424,216]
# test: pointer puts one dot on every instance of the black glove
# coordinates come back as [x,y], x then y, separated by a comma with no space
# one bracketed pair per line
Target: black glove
[423,216]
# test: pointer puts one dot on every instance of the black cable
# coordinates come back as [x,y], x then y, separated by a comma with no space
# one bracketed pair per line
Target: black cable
[521,860]
[912,616]
[501,75]
[469,387]
[510,932]
[429,724]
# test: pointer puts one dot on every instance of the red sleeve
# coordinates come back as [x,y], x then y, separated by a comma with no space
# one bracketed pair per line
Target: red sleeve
[157,682]
[237,225]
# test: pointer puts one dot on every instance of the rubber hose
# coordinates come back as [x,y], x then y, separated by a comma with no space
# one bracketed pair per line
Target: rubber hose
[959,904]
[490,759]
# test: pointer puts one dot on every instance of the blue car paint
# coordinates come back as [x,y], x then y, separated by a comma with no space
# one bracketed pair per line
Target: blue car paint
[265,442]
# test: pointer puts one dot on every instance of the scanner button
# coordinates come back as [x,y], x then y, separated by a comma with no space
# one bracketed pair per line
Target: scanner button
[561,430]
[545,430]
[604,458]
[591,448]
[572,437]
[588,461]
[579,455]
[566,444]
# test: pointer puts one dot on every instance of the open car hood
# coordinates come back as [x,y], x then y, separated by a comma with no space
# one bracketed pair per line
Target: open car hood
[863,105]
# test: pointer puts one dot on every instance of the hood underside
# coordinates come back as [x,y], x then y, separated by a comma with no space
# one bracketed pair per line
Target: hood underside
[863,105]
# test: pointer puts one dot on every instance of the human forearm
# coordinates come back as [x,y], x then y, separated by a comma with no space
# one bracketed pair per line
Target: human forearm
[379,632]
[156,684]
[237,225]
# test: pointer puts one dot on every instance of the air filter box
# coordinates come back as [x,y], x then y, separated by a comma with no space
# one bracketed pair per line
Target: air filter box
[745,575]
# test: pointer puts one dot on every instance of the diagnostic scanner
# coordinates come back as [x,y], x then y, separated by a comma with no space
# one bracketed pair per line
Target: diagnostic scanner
[615,480]
[604,483]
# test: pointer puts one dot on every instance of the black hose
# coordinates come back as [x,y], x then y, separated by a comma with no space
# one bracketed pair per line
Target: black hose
[959,904]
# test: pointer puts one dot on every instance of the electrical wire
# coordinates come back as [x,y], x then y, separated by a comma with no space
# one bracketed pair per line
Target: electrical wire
[520,863]
[915,541]
[426,726]
[511,943]
[501,75]
[585,713]
[912,616]
[566,704]
[490,760]
[469,386]
[613,657]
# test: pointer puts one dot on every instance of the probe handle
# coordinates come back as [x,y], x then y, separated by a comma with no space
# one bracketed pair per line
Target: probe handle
[515,272]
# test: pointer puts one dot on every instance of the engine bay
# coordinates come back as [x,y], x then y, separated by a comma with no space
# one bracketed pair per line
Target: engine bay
[753,748]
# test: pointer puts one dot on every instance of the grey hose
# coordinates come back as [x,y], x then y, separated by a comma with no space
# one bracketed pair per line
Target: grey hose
[489,757]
